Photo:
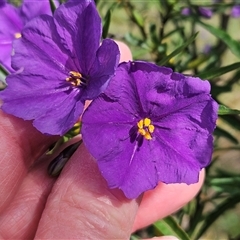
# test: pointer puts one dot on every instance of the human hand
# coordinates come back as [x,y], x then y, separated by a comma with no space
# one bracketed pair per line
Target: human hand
[76,205]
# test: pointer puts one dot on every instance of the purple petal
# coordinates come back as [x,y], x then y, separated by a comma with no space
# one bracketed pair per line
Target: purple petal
[79,26]
[138,170]
[104,67]
[55,110]
[131,169]
[2,3]
[61,118]
[30,10]
[123,86]
[10,20]
[39,50]
[6,50]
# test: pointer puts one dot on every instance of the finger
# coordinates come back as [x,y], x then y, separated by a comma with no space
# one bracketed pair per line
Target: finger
[163,238]
[126,54]
[81,206]
[164,200]
[20,145]
[20,219]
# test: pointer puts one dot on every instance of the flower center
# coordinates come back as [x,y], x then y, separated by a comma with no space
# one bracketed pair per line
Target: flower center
[76,79]
[17,35]
[145,128]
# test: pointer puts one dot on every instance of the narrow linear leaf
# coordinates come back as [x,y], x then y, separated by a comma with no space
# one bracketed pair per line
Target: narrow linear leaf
[97,1]
[232,120]
[172,32]
[233,45]
[178,50]
[106,23]
[217,212]
[223,110]
[223,173]
[3,70]
[138,18]
[225,181]
[52,6]
[210,74]
[3,75]
[168,226]
[222,133]
[134,237]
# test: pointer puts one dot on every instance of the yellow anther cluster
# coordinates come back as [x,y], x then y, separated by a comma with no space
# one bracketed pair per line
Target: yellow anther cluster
[75,78]
[145,128]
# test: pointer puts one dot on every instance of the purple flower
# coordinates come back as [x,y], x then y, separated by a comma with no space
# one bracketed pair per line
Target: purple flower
[186,11]
[12,20]
[150,125]
[62,66]
[235,11]
[207,49]
[205,12]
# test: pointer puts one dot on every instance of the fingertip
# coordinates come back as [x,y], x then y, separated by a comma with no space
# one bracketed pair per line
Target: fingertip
[164,200]
[125,52]
[164,238]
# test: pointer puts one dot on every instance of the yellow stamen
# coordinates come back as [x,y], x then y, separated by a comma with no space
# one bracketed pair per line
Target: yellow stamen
[151,128]
[76,79]
[140,124]
[145,128]
[75,74]
[142,131]
[148,136]
[147,122]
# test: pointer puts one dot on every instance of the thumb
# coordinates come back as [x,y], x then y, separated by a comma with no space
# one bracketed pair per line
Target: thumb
[82,206]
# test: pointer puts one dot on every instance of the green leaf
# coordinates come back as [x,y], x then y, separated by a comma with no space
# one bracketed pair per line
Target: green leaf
[233,45]
[168,226]
[232,120]
[52,5]
[132,39]
[172,32]
[134,237]
[222,133]
[225,181]
[3,70]
[106,23]
[178,50]
[210,74]
[138,18]
[3,74]
[97,1]
[223,110]
[216,213]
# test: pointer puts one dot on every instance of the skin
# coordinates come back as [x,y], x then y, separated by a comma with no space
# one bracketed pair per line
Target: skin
[76,205]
